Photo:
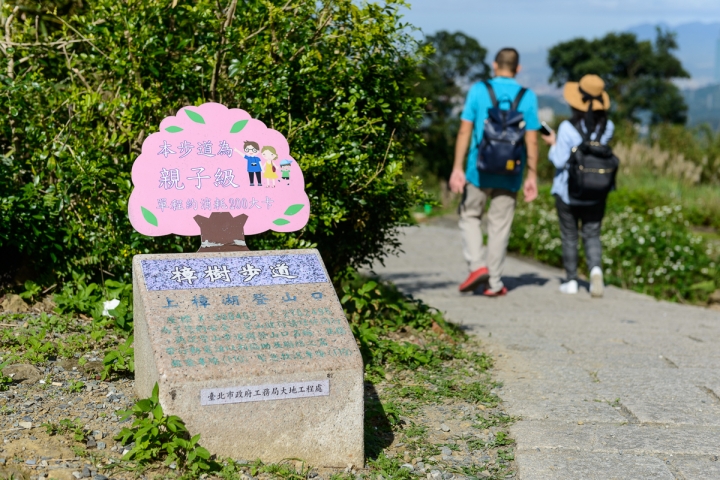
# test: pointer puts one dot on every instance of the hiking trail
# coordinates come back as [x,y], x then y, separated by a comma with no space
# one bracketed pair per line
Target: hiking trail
[620,387]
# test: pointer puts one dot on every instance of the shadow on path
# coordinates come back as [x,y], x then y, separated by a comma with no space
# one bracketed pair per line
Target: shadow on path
[378,427]
[416,282]
[413,283]
[512,283]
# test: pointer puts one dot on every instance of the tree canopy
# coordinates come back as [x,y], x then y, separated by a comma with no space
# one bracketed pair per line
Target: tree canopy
[637,73]
[453,63]
[83,85]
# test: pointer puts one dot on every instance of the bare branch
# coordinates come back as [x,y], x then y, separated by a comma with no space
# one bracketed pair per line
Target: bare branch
[8,37]
[82,36]
[379,169]
[220,52]
[59,43]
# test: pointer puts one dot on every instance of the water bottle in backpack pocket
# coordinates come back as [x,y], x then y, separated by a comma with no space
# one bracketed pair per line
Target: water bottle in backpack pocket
[591,170]
[503,144]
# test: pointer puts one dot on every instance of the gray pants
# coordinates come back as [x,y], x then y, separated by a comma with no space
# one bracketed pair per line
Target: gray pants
[591,219]
[499,220]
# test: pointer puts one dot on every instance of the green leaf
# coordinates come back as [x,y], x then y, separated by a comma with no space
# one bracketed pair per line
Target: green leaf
[173,129]
[202,453]
[149,217]
[157,412]
[368,286]
[237,126]
[293,209]
[194,116]
[708,286]
[145,405]
[281,221]
[155,397]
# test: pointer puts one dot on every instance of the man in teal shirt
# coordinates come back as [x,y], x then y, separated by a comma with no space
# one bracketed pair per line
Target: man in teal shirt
[486,262]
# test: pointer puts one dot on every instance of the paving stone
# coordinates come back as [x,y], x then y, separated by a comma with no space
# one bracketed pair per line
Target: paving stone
[631,439]
[661,395]
[556,354]
[698,468]
[572,465]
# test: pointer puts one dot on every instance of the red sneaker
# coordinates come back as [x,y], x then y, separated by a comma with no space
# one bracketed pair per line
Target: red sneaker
[475,279]
[501,293]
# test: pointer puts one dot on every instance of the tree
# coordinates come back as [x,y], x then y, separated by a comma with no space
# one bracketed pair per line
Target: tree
[637,74]
[81,92]
[454,62]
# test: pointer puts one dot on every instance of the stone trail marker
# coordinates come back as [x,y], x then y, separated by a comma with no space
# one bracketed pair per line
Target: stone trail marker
[251,349]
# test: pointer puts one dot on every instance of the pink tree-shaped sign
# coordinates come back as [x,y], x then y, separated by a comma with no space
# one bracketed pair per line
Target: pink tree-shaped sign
[216,172]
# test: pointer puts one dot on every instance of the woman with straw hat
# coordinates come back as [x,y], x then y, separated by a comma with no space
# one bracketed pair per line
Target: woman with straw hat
[589,102]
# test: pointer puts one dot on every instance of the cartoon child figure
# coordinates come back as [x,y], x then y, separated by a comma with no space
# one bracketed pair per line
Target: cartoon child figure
[253,163]
[269,169]
[285,170]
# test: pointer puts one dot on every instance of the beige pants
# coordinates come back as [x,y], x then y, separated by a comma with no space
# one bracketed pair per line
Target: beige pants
[499,220]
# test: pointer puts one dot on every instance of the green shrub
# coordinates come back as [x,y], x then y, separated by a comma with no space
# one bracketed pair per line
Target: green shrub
[375,309]
[650,251]
[78,297]
[158,436]
[82,90]
[66,427]
[120,360]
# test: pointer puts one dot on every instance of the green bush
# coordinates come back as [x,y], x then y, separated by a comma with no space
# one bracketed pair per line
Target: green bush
[649,250]
[156,436]
[377,309]
[82,89]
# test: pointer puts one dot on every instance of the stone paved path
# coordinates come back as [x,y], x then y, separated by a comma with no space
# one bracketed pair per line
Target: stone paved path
[620,387]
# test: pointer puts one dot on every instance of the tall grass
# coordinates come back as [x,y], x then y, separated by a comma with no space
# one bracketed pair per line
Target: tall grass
[690,155]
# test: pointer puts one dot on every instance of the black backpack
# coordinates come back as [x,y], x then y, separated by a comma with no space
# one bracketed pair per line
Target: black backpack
[592,168]
[503,142]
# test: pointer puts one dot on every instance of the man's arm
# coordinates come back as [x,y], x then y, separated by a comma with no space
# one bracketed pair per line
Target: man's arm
[457,178]
[530,188]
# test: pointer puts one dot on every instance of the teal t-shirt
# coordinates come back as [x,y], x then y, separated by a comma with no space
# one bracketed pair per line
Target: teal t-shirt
[476,107]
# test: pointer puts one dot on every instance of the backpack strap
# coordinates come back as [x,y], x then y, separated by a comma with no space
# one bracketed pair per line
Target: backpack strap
[518,98]
[601,130]
[491,92]
[578,128]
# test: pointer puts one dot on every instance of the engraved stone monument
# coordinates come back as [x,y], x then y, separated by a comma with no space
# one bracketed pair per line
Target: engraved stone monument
[250,348]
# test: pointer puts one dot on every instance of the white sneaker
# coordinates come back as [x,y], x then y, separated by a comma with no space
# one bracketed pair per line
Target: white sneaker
[570,287]
[597,286]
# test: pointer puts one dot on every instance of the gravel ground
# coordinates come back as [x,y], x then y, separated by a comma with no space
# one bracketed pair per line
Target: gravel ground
[442,438]
[452,436]
[441,452]
[44,397]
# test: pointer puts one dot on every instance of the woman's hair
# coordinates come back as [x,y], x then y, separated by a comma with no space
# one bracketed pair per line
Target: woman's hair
[270,149]
[594,121]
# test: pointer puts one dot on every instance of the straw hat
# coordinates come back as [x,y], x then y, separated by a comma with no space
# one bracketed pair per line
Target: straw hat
[590,90]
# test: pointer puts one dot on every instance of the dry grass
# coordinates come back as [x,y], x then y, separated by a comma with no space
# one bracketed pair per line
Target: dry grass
[639,159]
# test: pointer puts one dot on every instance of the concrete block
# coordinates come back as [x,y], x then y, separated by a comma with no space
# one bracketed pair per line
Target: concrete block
[253,351]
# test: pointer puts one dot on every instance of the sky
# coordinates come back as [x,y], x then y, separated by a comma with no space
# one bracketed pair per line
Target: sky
[535,25]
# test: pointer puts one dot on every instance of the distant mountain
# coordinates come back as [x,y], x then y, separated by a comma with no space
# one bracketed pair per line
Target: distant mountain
[697,52]
[535,73]
[557,104]
[704,106]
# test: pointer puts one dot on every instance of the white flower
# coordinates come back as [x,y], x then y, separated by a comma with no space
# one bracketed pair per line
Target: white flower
[109,305]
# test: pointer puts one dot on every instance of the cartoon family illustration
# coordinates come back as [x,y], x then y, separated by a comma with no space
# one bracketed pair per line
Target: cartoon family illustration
[259,168]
